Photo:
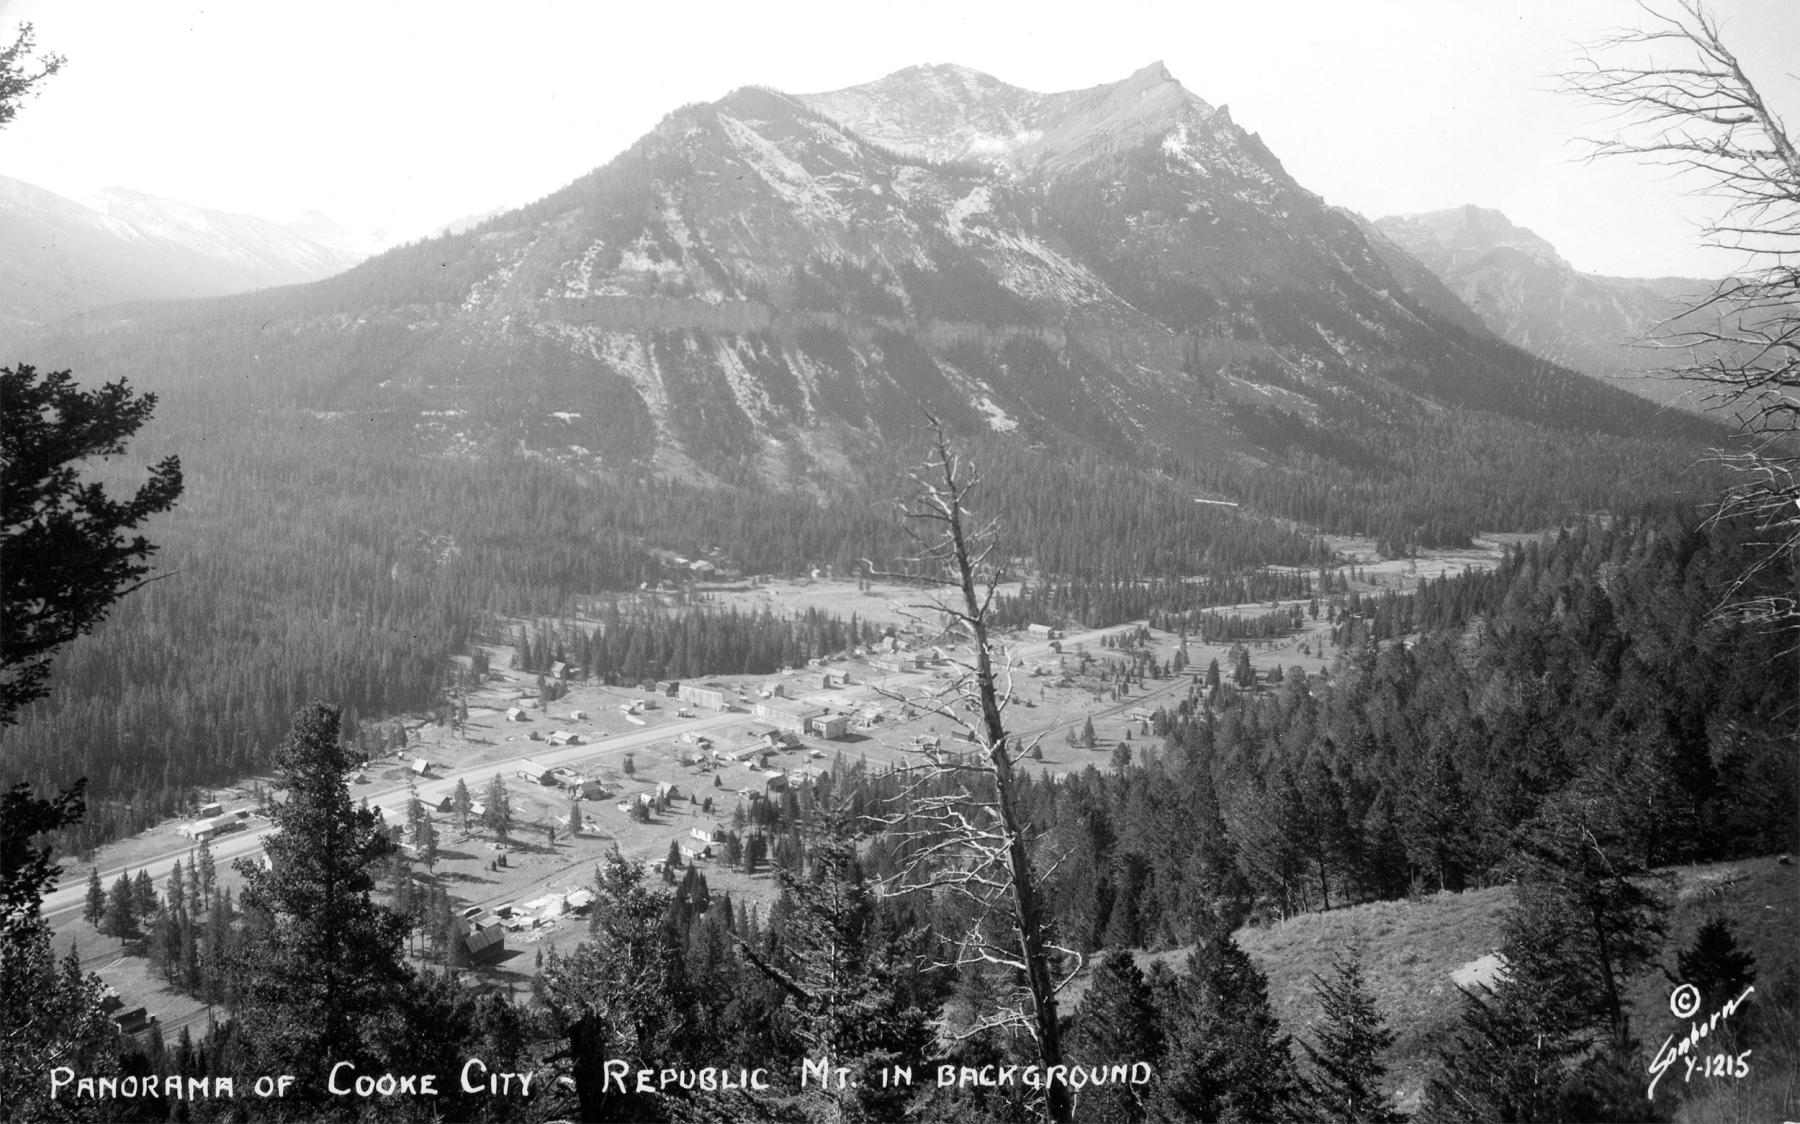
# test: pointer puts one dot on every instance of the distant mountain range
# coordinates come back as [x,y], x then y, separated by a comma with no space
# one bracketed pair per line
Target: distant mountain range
[59,257]
[771,286]
[1523,291]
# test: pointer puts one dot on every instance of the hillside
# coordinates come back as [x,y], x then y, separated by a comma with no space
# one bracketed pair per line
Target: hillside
[1413,951]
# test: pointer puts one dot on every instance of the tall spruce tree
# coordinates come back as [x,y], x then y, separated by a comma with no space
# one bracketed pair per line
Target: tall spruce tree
[1715,963]
[1117,1023]
[120,919]
[621,994]
[143,894]
[498,813]
[95,907]
[1552,1040]
[843,982]
[207,873]
[331,963]
[461,803]
[1227,1059]
[1347,1067]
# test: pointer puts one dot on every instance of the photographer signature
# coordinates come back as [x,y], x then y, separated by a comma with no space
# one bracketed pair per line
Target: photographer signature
[1684,1001]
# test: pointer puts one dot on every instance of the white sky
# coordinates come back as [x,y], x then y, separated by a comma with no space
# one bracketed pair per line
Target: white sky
[410,114]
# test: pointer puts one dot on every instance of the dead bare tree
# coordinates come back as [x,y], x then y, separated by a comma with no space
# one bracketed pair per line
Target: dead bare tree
[1680,98]
[961,825]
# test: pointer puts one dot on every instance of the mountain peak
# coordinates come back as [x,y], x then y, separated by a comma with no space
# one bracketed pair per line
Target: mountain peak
[1465,233]
[1153,75]
[950,112]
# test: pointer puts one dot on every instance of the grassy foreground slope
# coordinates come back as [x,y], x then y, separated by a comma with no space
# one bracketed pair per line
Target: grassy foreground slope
[1411,948]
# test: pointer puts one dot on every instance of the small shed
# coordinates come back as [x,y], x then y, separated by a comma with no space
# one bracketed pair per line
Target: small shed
[421,767]
[131,1021]
[486,942]
[517,714]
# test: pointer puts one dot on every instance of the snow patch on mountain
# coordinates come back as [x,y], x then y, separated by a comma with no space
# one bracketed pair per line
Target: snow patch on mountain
[998,419]
[751,395]
[576,278]
[976,202]
[793,183]
[1037,272]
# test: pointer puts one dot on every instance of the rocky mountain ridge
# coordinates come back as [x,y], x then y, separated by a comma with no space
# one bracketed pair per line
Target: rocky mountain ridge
[771,287]
[1524,292]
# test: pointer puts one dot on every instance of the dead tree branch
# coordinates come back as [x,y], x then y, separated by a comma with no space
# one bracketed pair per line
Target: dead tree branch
[959,824]
[1675,95]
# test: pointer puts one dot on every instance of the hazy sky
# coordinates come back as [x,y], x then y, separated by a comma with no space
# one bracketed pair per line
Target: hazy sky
[410,114]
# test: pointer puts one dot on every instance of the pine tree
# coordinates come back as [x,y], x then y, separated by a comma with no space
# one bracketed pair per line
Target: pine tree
[844,978]
[622,993]
[755,848]
[209,873]
[497,816]
[120,919]
[143,895]
[175,889]
[1117,1022]
[330,965]
[461,804]
[1347,1066]
[51,1013]
[1714,963]
[426,840]
[96,898]
[1227,1059]
[1548,1042]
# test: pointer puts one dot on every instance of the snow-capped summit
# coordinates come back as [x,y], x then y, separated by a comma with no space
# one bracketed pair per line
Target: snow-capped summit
[952,112]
